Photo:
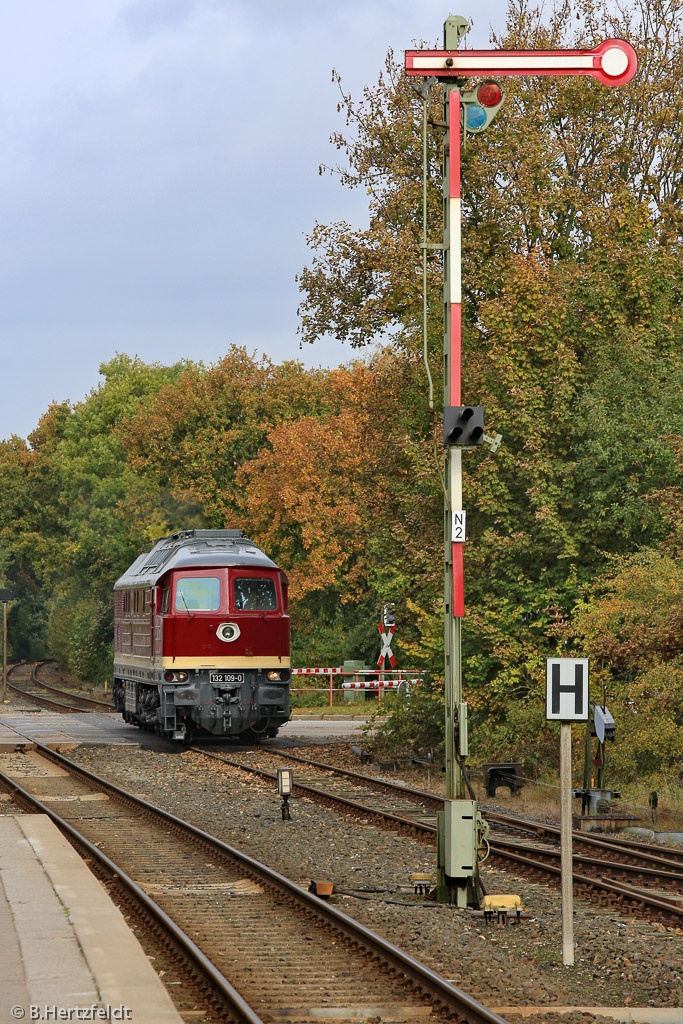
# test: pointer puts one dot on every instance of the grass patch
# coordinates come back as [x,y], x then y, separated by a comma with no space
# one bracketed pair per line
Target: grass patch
[343,710]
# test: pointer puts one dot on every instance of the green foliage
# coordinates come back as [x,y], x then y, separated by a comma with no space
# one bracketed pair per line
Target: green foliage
[81,634]
[311,700]
[76,514]
[631,623]
[204,424]
[26,628]
[409,723]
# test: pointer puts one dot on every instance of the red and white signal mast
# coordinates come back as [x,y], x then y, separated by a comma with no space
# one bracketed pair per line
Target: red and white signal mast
[614,62]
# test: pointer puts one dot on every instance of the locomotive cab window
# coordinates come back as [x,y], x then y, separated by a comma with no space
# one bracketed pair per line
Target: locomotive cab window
[198,594]
[255,595]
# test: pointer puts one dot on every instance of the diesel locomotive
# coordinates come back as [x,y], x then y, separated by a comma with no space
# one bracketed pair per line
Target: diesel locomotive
[201,638]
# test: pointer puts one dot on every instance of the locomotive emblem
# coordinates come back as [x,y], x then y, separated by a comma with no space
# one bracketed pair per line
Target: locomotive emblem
[228,631]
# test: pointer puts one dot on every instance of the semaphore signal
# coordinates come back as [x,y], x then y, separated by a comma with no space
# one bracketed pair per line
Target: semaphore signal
[613,62]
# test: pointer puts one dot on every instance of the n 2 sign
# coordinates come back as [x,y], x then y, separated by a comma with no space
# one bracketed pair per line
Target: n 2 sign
[458,527]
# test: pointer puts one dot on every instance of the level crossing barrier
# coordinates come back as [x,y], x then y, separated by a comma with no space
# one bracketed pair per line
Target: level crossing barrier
[382,679]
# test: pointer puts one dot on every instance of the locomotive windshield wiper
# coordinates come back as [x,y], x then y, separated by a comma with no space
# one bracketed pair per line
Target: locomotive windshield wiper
[189,613]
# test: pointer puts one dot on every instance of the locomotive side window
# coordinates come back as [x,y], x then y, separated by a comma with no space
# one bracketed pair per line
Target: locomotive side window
[255,595]
[198,594]
[165,601]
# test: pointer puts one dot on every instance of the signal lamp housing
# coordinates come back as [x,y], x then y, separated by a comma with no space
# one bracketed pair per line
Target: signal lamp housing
[480,106]
[285,784]
[463,425]
[285,787]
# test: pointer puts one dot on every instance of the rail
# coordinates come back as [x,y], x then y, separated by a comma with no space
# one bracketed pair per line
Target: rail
[431,983]
[623,897]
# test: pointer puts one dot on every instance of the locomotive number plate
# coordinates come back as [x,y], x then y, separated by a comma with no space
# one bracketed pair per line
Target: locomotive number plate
[226,677]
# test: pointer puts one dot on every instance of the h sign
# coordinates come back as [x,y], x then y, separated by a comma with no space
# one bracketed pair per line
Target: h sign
[566,690]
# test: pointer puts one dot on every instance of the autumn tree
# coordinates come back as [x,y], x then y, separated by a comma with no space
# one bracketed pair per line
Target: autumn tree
[75,515]
[339,500]
[572,280]
[630,622]
[205,424]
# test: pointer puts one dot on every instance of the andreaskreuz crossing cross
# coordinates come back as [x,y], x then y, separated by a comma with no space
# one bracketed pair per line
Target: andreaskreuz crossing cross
[386,651]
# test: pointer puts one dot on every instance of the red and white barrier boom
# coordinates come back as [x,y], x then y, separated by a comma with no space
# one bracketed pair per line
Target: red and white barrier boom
[317,671]
[612,63]
[374,684]
[383,679]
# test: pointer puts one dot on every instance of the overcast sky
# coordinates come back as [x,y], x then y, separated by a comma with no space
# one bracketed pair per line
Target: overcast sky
[159,170]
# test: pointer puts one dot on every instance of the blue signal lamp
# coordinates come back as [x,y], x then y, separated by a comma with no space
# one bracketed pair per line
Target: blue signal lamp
[481,105]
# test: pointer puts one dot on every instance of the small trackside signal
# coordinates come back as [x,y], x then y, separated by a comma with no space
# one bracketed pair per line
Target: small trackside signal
[480,106]
[463,425]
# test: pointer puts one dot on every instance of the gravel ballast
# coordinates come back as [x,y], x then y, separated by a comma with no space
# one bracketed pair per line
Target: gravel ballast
[620,961]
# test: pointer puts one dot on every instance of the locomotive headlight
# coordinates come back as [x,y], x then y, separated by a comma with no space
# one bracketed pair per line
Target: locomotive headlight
[273,676]
[228,631]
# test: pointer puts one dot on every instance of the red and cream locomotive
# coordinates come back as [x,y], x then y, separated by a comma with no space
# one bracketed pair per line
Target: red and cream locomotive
[201,638]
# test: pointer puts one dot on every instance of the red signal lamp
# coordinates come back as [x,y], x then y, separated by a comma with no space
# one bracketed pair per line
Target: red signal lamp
[489,94]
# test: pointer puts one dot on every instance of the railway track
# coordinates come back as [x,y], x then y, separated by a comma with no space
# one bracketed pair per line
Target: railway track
[630,877]
[69,703]
[264,946]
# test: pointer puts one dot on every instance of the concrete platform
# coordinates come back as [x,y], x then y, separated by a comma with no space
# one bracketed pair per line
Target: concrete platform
[624,1014]
[603,822]
[307,728]
[64,945]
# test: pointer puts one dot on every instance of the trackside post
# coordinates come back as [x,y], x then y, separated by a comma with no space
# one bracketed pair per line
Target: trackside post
[5,596]
[566,701]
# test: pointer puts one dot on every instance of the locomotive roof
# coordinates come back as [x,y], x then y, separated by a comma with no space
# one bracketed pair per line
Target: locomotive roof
[193,549]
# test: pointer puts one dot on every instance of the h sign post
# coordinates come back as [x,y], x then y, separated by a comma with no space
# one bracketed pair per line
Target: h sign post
[566,701]
[566,690]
